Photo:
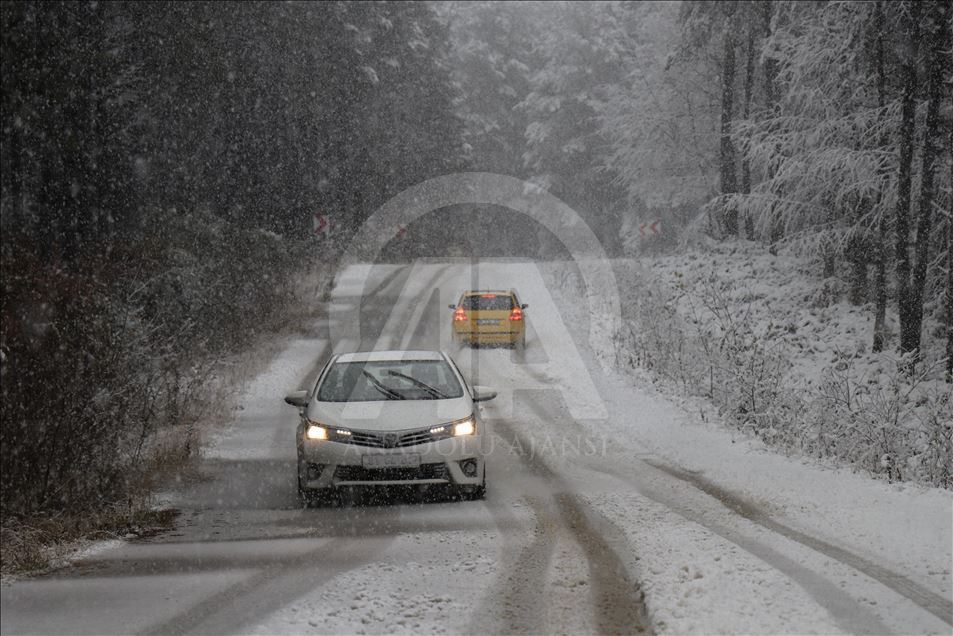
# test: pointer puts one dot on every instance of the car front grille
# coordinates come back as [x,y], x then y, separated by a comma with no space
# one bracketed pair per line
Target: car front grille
[400,439]
[359,438]
[359,473]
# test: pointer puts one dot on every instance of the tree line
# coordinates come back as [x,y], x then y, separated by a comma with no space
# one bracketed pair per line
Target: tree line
[825,127]
[161,162]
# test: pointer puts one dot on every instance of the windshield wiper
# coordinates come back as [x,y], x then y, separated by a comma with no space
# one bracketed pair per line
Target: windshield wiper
[423,385]
[389,392]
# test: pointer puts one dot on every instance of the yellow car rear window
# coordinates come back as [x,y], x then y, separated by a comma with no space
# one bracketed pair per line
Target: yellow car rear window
[488,302]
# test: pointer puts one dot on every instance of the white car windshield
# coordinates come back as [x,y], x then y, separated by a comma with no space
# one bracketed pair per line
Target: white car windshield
[389,380]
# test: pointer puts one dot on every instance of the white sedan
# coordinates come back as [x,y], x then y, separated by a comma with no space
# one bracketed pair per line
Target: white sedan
[390,418]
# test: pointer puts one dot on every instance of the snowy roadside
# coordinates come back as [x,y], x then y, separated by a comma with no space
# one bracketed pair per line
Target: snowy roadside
[251,381]
[283,357]
[786,357]
[243,436]
[905,527]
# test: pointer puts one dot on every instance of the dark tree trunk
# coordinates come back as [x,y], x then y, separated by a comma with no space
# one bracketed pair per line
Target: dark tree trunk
[745,162]
[880,292]
[880,278]
[857,255]
[770,74]
[949,285]
[856,249]
[908,73]
[16,177]
[729,180]
[830,264]
[938,24]
[949,274]
[770,64]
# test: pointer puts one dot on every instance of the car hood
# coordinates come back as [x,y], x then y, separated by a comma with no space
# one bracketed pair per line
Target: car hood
[390,415]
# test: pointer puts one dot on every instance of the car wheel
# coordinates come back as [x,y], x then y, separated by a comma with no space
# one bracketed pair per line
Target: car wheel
[475,493]
[305,498]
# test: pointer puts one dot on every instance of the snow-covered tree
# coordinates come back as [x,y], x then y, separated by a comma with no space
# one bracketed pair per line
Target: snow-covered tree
[836,156]
[584,53]
[663,117]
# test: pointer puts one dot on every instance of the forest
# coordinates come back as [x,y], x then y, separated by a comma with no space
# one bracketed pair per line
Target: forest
[162,162]
[821,126]
[161,165]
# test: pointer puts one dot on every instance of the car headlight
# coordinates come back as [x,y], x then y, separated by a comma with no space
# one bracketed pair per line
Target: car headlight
[316,431]
[464,427]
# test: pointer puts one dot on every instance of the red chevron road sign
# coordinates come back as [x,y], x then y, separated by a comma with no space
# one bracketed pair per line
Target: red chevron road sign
[321,224]
[646,229]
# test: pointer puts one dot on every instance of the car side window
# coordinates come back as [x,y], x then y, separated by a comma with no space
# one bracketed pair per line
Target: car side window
[466,382]
[324,372]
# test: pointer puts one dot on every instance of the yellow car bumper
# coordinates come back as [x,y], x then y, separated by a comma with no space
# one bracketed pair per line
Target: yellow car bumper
[488,337]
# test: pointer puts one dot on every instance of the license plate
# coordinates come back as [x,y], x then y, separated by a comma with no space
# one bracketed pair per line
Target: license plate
[397,460]
[487,321]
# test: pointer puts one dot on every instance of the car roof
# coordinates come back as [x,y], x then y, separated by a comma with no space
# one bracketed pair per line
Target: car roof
[501,292]
[383,356]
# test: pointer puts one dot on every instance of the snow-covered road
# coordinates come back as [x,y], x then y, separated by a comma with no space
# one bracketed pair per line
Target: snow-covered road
[609,509]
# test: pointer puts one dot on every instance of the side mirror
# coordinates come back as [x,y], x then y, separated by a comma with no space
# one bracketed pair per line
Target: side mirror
[483,394]
[452,306]
[524,305]
[297,398]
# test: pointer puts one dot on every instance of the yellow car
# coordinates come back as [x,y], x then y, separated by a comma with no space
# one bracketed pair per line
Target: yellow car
[489,317]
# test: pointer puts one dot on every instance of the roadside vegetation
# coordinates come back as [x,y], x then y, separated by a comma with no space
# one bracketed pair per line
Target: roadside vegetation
[161,166]
[786,358]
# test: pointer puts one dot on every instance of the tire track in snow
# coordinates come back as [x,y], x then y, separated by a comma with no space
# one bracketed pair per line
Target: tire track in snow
[937,605]
[520,601]
[245,603]
[401,315]
[846,611]
[387,280]
[920,595]
[616,600]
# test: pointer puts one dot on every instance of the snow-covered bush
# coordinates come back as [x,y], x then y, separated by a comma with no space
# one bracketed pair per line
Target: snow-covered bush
[706,345]
[99,358]
[899,425]
[782,357]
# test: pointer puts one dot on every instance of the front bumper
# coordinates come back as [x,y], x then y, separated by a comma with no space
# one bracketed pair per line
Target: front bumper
[488,337]
[327,464]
